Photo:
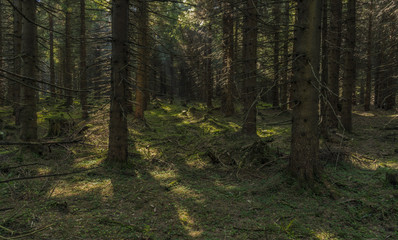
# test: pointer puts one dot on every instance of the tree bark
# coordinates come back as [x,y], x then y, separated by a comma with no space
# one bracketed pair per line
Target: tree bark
[228,56]
[250,67]
[83,56]
[349,68]
[29,44]
[275,88]
[52,64]
[117,152]
[68,58]
[334,62]
[14,88]
[303,162]
[209,70]
[2,81]
[142,75]
[324,71]
[285,60]
[368,84]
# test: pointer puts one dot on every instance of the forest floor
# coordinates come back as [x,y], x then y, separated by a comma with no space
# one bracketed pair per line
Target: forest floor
[193,176]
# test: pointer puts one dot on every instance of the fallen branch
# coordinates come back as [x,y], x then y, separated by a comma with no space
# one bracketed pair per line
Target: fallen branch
[46,176]
[6,209]
[24,165]
[23,235]
[38,143]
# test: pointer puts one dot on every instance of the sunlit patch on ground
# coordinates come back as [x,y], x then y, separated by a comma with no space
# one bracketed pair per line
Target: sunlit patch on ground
[188,222]
[43,170]
[196,161]
[164,175]
[325,236]
[69,190]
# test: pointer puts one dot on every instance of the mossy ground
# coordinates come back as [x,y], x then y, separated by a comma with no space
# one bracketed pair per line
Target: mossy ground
[172,189]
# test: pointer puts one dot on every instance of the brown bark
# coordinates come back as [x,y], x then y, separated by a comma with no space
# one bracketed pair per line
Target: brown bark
[334,62]
[67,57]
[324,71]
[29,44]
[14,88]
[368,84]
[378,78]
[275,87]
[293,60]
[117,152]
[142,75]
[349,68]
[209,70]
[285,59]
[303,162]
[250,67]
[2,81]
[52,64]
[83,56]
[228,56]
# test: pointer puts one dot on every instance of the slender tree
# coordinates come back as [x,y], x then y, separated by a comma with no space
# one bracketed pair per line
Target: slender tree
[2,83]
[334,62]
[324,69]
[349,68]
[228,56]
[68,54]
[305,138]
[285,58]
[209,69]
[250,67]
[83,56]
[117,152]
[14,88]
[275,88]
[28,93]
[52,63]
[368,84]
[142,69]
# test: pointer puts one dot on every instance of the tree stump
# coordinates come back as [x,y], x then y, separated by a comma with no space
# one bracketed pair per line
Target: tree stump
[57,126]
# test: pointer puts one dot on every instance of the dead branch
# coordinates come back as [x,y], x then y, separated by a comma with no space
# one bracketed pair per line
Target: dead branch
[46,176]
[6,209]
[38,143]
[13,167]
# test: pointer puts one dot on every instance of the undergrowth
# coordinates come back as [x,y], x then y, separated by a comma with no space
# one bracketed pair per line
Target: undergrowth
[192,175]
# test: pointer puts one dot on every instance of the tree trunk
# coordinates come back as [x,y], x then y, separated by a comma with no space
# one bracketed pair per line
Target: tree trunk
[52,64]
[284,74]
[334,62]
[324,71]
[117,152]
[368,84]
[228,49]
[142,75]
[29,44]
[83,56]
[349,68]
[209,70]
[68,57]
[293,60]
[275,87]
[303,162]
[2,81]
[14,87]
[250,67]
